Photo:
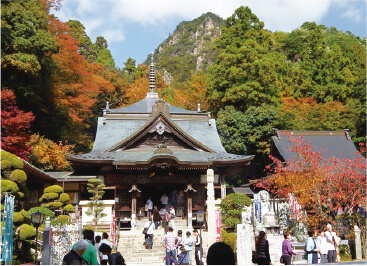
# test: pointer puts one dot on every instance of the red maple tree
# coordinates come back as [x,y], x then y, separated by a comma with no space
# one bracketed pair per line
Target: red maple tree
[322,185]
[14,126]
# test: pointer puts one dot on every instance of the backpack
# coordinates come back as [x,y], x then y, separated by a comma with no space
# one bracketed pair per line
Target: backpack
[116,259]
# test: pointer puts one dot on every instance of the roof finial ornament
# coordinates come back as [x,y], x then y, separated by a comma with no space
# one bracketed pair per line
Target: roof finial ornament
[152,76]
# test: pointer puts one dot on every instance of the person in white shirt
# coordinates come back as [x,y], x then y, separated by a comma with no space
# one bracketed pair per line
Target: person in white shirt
[107,242]
[164,200]
[97,244]
[172,213]
[149,204]
[321,244]
[150,226]
[330,243]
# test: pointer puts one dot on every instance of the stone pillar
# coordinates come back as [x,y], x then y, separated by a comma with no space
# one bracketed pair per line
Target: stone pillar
[223,192]
[80,228]
[133,204]
[245,239]
[46,245]
[189,210]
[358,243]
[210,207]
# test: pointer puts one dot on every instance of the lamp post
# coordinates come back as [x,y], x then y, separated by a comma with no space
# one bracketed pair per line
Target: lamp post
[200,221]
[37,219]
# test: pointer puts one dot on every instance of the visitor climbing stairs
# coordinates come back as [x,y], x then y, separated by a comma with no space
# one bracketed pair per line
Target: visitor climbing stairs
[131,244]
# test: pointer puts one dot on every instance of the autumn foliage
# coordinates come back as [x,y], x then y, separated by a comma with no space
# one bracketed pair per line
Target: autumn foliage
[14,126]
[322,185]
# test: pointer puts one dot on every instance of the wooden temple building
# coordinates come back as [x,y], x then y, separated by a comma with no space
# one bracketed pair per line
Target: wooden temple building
[151,149]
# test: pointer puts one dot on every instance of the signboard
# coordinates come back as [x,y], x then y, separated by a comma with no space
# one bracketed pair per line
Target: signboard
[203,179]
[218,225]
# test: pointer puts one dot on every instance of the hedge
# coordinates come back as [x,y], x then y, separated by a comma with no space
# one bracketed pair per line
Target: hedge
[5,165]
[18,217]
[15,162]
[49,196]
[24,189]
[46,212]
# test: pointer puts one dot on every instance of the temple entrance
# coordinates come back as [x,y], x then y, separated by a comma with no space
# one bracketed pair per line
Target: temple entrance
[174,192]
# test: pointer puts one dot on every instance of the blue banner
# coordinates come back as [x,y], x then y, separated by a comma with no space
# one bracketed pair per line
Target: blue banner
[7,241]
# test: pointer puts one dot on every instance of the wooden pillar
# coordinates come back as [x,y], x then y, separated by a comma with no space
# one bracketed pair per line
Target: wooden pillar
[133,204]
[223,192]
[189,205]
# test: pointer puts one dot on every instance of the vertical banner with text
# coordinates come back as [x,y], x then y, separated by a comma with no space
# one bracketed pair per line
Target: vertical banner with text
[218,225]
[112,228]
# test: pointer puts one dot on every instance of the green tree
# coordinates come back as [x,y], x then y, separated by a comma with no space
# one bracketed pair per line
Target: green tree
[103,55]
[53,198]
[130,66]
[247,133]
[232,207]
[95,187]
[245,72]
[86,47]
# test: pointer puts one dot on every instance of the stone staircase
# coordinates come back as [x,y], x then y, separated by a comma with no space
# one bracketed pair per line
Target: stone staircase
[131,244]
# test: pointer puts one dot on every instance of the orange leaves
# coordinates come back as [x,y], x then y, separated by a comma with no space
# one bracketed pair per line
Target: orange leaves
[48,154]
[321,185]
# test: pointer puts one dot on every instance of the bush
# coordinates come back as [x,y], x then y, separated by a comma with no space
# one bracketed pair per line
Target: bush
[53,205]
[68,208]
[18,217]
[18,176]
[61,220]
[64,197]
[15,162]
[19,196]
[49,196]
[26,231]
[44,211]
[230,239]
[9,186]
[2,207]
[53,189]
[5,165]
[232,207]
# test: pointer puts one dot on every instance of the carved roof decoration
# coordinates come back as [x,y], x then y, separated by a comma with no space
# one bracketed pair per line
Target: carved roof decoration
[160,123]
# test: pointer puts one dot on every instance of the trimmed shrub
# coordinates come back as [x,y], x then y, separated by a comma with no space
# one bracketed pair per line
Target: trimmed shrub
[232,207]
[53,205]
[44,211]
[9,186]
[18,217]
[2,207]
[53,189]
[64,197]
[18,176]
[26,231]
[19,196]
[5,165]
[68,208]
[49,196]
[230,239]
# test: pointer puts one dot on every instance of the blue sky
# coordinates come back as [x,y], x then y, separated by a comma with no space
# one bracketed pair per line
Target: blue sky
[135,28]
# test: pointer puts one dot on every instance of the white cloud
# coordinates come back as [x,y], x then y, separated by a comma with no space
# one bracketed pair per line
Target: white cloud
[113,35]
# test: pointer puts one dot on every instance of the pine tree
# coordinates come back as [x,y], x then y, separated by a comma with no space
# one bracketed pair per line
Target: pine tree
[95,187]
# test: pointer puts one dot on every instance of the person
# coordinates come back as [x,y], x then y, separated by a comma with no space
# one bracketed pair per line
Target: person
[179,245]
[156,217]
[149,235]
[107,242]
[198,247]
[74,256]
[220,253]
[111,259]
[149,205]
[172,213]
[321,244]
[262,249]
[287,251]
[311,247]
[90,255]
[97,244]
[330,243]
[164,200]
[183,259]
[187,243]
[166,219]
[170,242]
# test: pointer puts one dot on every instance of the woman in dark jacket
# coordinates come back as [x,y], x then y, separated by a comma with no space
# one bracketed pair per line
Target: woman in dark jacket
[262,249]
[287,251]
